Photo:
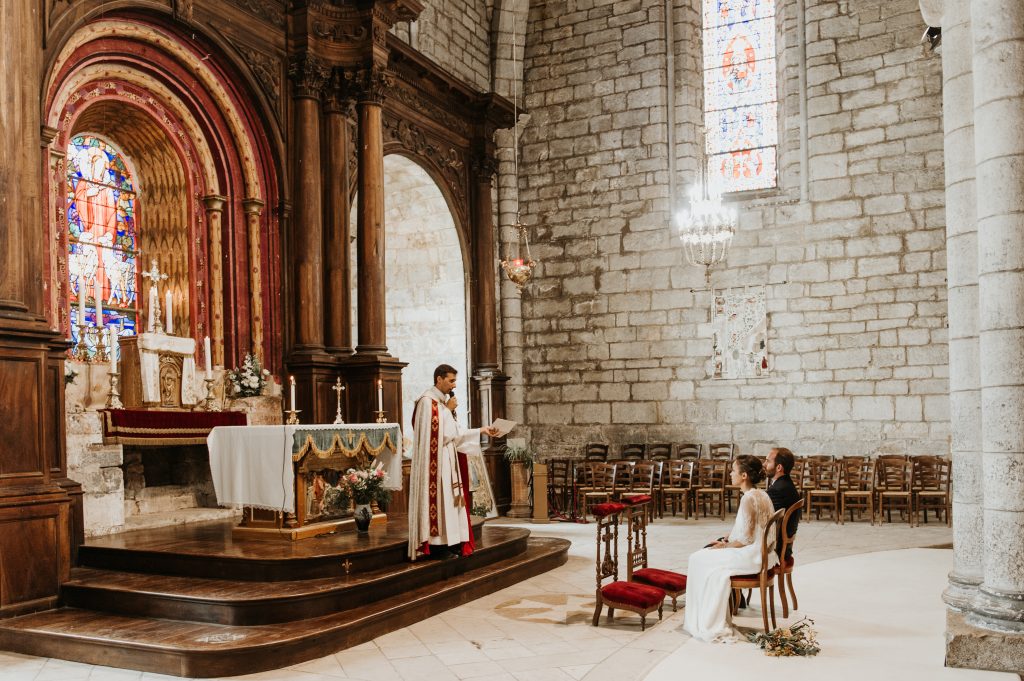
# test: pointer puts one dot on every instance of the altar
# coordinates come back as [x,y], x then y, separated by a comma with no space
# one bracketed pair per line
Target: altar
[286,478]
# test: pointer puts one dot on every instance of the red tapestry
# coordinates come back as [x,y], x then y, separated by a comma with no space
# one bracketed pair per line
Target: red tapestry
[164,428]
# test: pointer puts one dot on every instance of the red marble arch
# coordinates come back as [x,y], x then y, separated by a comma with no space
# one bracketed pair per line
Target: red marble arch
[216,135]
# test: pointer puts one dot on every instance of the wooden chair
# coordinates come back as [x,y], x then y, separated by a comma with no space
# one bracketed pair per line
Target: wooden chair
[642,483]
[894,486]
[678,485]
[711,476]
[633,452]
[595,451]
[763,580]
[931,487]
[722,450]
[560,488]
[688,450]
[596,486]
[637,570]
[622,482]
[797,474]
[858,487]
[632,596]
[785,567]
[659,452]
[821,488]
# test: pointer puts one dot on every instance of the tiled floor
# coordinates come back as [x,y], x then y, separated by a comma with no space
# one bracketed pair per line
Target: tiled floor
[877,606]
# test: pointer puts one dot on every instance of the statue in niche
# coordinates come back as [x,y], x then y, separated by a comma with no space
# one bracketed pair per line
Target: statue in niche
[170,383]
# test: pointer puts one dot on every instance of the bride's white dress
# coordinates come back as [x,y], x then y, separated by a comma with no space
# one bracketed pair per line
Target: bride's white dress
[707,580]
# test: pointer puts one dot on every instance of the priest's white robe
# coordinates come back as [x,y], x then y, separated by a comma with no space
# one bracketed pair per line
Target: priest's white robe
[437,493]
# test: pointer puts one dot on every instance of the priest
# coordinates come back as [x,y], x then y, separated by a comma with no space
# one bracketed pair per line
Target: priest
[439,498]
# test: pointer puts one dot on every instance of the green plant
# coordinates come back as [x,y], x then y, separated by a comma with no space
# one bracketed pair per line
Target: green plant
[520,455]
[69,375]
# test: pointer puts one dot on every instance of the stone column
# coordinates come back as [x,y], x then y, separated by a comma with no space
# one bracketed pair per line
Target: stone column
[998,38]
[309,76]
[214,219]
[962,271]
[253,210]
[371,85]
[337,295]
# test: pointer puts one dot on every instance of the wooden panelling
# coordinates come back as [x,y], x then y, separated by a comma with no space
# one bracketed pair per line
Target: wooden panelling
[20,447]
[33,553]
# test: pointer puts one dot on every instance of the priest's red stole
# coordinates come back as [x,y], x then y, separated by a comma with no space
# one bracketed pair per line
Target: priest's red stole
[434,446]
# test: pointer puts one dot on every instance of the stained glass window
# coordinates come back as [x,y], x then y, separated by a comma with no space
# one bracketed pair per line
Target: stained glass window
[740,104]
[102,239]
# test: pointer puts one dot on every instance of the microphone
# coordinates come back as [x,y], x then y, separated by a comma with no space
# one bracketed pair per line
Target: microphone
[451,393]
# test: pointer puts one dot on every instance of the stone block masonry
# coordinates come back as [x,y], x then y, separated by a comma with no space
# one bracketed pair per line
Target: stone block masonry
[616,345]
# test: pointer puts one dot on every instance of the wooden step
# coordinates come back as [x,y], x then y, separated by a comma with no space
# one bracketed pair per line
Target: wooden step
[210,550]
[239,602]
[204,650]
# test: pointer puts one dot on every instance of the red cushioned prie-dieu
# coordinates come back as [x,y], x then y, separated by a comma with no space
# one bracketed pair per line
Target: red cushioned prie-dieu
[607,508]
[672,582]
[631,593]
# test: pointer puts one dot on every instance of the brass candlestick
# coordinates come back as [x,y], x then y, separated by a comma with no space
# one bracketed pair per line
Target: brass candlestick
[293,416]
[114,397]
[81,351]
[380,416]
[208,400]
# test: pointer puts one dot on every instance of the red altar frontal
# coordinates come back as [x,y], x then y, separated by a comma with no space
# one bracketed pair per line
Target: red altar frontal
[145,428]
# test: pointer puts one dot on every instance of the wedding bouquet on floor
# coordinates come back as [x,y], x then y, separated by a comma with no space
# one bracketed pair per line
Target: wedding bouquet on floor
[248,380]
[797,639]
[367,486]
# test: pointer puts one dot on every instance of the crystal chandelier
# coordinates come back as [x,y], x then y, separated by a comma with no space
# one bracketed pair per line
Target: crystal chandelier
[519,270]
[707,227]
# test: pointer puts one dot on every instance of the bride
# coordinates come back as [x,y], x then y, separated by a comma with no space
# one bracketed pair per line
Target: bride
[707,585]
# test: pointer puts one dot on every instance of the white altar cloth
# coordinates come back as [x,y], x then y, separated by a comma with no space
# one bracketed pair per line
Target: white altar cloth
[252,465]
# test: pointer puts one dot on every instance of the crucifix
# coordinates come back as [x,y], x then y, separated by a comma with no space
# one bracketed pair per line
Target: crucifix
[338,388]
[155,276]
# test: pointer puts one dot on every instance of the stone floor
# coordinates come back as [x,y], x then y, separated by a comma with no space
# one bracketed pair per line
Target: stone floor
[874,593]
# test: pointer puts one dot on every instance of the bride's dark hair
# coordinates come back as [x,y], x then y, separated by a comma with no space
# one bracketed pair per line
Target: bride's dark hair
[752,466]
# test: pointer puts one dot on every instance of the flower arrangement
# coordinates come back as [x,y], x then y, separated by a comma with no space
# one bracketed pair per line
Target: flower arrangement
[367,486]
[248,380]
[797,639]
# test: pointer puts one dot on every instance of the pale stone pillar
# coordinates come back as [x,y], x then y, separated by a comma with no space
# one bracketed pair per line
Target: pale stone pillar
[214,213]
[253,210]
[997,27]
[962,275]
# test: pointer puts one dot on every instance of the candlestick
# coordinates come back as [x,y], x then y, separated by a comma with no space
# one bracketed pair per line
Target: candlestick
[112,349]
[338,388]
[207,353]
[151,322]
[293,417]
[291,381]
[114,396]
[81,351]
[169,324]
[98,294]
[380,395]
[208,400]
[380,416]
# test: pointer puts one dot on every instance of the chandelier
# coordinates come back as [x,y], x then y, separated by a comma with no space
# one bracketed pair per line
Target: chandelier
[707,227]
[518,269]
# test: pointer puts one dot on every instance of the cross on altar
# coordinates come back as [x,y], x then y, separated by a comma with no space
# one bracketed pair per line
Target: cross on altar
[155,276]
[338,388]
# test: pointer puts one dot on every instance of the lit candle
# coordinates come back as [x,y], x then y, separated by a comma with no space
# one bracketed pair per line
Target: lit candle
[208,353]
[99,302]
[112,346]
[291,380]
[151,323]
[81,300]
[380,395]
[169,326]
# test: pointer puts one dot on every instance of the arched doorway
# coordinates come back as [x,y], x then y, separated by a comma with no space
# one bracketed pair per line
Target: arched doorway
[425,277]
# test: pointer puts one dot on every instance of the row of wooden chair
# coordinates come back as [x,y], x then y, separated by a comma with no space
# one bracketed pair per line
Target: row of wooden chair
[638,451]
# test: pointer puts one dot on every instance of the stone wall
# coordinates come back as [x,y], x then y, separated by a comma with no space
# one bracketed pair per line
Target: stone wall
[851,248]
[454,34]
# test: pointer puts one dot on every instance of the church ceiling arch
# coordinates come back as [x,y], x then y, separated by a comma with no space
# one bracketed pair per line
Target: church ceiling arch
[191,60]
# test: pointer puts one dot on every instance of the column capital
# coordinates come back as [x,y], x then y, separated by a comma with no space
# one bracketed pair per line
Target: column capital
[339,95]
[309,75]
[370,85]
[253,206]
[484,167]
[214,201]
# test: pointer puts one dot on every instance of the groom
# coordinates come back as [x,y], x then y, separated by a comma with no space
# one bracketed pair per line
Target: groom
[781,489]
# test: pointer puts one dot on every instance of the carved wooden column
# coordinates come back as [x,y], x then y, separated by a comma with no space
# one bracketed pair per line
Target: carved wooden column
[371,363]
[253,210]
[34,509]
[337,294]
[214,224]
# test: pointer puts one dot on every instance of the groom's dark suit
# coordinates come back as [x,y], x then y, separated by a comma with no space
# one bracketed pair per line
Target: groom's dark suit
[783,495]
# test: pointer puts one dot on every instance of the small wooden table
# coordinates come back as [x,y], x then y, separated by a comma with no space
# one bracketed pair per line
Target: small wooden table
[286,478]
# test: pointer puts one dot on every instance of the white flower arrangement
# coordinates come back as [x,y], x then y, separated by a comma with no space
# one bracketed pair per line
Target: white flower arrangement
[248,380]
